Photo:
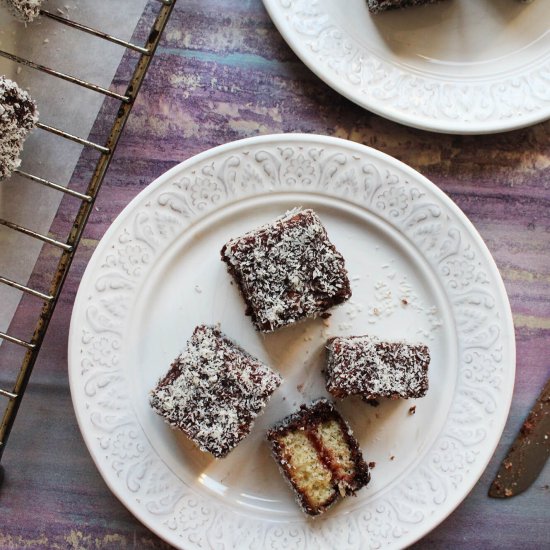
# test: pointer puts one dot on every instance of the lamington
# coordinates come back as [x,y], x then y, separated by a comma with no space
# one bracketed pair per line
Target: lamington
[24,10]
[213,391]
[18,116]
[371,368]
[319,456]
[377,6]
[287,270]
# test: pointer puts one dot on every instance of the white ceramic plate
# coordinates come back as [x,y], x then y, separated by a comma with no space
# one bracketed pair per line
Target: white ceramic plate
[419,271]
[461,66]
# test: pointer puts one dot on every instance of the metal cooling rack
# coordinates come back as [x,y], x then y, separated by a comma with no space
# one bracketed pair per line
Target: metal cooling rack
[15,394]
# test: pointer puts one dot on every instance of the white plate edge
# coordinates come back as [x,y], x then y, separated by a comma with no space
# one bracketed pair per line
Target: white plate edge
[400,118]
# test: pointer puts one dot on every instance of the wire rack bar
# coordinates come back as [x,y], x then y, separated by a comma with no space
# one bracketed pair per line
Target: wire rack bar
[18,341]
[53,185]
[63,76]
[39,236]
[71,137]
[85,209]
[7,394]
[95,32]
[26,289]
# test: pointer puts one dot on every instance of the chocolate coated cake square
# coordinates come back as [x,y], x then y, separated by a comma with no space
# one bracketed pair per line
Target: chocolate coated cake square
[213,391]
[366,366]
[377,6]
[24,10]
[287,270]
[18,116]
[319,456]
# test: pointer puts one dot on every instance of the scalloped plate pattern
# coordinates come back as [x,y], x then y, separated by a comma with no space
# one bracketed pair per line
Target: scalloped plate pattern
[141,459]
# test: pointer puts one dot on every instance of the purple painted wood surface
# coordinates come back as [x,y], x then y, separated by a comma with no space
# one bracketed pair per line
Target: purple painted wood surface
[224,73]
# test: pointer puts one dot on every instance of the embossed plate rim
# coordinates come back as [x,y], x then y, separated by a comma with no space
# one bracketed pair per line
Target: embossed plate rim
[447,125]
[161,515]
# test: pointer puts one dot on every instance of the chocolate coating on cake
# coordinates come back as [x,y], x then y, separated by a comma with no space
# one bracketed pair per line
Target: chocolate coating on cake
[213,391]
[339,459]
[287,270]
[24,10]
[18,115]
[377,6]
[366,366]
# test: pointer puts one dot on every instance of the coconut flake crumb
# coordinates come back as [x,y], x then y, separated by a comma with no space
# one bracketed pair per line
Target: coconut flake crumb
[390,297]
[353,309]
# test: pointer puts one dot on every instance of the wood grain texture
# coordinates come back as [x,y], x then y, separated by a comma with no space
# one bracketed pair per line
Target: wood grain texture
[224,73]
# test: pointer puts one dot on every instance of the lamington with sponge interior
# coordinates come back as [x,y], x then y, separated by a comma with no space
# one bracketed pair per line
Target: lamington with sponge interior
[318,455]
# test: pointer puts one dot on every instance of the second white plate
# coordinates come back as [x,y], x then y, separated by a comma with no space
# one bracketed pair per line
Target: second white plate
[460,66]
[419,271]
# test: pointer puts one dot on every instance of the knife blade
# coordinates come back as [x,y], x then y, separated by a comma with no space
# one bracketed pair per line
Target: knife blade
[528,453]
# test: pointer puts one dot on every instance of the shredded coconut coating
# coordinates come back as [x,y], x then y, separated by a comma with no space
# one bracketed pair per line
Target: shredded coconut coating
[377,6]
[213,391]
[24,10]
[18,115]
[287,270]
[366,366]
